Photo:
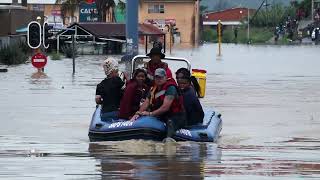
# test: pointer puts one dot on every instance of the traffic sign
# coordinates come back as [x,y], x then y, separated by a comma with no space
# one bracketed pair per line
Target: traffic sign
[39,60]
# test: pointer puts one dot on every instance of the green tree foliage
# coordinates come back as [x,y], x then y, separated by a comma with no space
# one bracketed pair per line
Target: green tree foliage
[13,54]
[305,5]
[104,7]
[221,5]
[273,17]
[68,6]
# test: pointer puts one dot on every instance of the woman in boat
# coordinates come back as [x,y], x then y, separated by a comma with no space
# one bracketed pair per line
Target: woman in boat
[135,93]
[189,88]
[165,103]
[109,91]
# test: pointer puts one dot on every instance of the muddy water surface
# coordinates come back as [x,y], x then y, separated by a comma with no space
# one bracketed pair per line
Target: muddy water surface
[269,98]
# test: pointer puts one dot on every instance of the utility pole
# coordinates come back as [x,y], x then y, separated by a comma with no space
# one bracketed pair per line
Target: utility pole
[170,41]
[266,1]
[312,10]
[248,33]
[73,55]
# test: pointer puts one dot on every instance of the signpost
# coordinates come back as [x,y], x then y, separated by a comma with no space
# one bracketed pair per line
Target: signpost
[39,60]
[219,36]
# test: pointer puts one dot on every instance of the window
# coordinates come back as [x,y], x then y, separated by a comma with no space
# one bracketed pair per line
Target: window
[156,8]
[38,7]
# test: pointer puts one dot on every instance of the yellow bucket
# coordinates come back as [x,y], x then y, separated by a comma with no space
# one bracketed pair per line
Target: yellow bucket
[201,76]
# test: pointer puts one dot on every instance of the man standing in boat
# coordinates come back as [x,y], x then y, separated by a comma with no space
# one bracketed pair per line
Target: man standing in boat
[165,103]
[156,55]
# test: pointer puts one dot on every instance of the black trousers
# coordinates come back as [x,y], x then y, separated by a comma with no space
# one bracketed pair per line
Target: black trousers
[175,122]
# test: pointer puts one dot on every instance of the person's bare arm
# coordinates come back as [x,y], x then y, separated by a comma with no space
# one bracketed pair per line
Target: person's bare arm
[165,106]
[143,108]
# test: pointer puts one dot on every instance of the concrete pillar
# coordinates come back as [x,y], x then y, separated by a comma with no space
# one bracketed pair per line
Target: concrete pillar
[132,27]
[197,23]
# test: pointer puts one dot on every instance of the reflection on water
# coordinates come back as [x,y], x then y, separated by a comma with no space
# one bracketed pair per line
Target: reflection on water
[150,160]
[269,98]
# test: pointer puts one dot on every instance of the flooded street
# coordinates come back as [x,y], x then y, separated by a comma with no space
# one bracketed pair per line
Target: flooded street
[269,98]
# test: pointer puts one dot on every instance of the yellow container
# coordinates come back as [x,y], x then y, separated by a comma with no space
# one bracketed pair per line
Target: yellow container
[201,76]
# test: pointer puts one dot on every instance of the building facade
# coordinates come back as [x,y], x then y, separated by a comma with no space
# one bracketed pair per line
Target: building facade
[183,13]
[228,17]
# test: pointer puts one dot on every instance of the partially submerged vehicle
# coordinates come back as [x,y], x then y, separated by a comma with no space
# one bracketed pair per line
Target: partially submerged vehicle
[151,128]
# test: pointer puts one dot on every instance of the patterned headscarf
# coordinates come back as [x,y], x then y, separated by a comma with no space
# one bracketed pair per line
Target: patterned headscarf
[110,65]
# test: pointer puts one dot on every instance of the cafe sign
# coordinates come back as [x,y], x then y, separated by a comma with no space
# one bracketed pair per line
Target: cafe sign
[88,12]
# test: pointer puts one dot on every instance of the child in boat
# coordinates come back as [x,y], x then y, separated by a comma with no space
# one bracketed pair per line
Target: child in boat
[109,91]
[189,86]
[135,92]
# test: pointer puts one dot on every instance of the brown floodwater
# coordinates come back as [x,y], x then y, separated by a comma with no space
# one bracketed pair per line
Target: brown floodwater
[269,98]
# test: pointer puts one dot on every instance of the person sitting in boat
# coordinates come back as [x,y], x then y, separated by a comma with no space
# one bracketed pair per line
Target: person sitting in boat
[189,88]
[156,55]
[165,103]
[109,91]
[135,92]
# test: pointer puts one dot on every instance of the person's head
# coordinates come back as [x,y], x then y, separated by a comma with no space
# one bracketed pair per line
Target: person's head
[110,67]
[183,78]
[140,76]
[160,77]
[156,55]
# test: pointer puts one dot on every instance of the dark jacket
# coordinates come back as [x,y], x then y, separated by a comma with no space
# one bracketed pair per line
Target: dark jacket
[110,89]
[130,102]
[192,107]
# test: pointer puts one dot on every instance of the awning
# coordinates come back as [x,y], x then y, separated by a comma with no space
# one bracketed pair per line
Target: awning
[22,30]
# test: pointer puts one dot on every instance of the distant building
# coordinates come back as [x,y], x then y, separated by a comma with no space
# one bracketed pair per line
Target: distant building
[109,38]
[183,13]
[228,17]
[13,19]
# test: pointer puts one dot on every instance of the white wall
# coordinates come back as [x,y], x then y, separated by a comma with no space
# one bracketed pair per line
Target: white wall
[7,1]
[30,1]
[41,1]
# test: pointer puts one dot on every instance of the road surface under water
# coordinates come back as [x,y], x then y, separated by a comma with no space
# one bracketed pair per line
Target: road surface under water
[269,98]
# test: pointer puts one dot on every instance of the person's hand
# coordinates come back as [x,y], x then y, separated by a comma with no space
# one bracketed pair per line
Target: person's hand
[126,76]
[142,101]
[135,117]
[145,113]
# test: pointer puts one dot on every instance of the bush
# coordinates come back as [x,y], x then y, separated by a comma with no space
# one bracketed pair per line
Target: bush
[257,35]
[12,54]
[68,51]
[55,56]
[25,48]
[209,35]
[274,16]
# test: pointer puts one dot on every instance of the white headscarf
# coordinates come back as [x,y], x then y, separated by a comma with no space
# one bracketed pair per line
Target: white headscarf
[110,65]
